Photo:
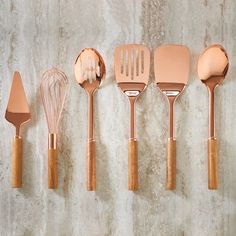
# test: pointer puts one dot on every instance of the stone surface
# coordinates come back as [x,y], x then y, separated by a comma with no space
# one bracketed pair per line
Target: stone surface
[36,35]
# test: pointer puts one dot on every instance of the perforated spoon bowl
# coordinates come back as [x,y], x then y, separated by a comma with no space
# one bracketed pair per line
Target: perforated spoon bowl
[212,68]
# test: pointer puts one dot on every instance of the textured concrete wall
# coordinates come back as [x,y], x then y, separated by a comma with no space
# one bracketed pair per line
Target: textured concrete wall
[34,36]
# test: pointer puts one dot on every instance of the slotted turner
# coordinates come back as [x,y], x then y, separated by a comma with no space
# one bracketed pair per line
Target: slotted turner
[132,64]
[171,67]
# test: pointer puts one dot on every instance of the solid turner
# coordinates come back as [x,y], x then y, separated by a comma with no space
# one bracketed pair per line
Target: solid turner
[171,67]
[212,68]
[132,64]
[17,113]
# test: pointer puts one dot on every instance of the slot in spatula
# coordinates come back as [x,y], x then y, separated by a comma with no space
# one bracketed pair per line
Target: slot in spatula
[17,113]
[132,65]
[171,67]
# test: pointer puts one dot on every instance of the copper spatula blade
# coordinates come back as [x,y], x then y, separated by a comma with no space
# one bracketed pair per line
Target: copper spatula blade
[17,111]
[172,63]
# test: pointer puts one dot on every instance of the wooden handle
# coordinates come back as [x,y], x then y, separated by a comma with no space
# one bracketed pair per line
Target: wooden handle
[212,164]
[17,163]
[91,165]
[52,169]
[133,165]
[171,165]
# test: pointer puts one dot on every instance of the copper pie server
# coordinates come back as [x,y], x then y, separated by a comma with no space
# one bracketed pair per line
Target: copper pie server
[212,68]
[171,67]
[132,65]
[90,72]
[17,113]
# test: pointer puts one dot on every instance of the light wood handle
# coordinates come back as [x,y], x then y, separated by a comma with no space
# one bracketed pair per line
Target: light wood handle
[17,162]
[133,165]
[52,169]
[212,164]
[171,165]
[91,165]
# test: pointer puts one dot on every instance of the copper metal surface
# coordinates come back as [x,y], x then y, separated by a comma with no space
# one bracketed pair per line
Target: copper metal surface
[52,141]
[212,67]
[171,67]
[17,111]
[90,72]
[132,65]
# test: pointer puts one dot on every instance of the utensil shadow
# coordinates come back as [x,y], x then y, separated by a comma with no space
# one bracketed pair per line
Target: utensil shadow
[103,185]
[27,174]
[227,170]
[65,162]
[29,149]
[103,188]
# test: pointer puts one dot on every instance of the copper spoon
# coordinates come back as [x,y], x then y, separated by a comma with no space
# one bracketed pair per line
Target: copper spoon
[90,72]
[212,68]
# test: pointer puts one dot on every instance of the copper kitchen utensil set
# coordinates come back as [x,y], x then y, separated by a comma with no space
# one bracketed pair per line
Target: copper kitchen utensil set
[132,65]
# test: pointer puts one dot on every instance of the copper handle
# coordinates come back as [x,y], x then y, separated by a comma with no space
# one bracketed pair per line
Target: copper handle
[17,162]
[212,143]
[171,149]
[52,161]
[212,164]
[52,169]
[133,165]
[91,165]
[171,165]
[91,147]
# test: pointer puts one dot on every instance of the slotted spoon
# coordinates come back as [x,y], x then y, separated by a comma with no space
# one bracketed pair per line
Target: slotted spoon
[90,72]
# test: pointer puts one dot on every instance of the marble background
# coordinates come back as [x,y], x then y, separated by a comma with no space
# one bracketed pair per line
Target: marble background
[38,34]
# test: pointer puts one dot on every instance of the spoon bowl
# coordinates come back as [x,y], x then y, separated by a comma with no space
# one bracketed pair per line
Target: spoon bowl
[213,65]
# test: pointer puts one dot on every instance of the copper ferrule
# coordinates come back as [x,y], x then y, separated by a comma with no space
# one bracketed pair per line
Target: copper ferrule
[52,141]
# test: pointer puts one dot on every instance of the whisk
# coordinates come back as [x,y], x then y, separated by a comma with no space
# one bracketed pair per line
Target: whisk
[53,92]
